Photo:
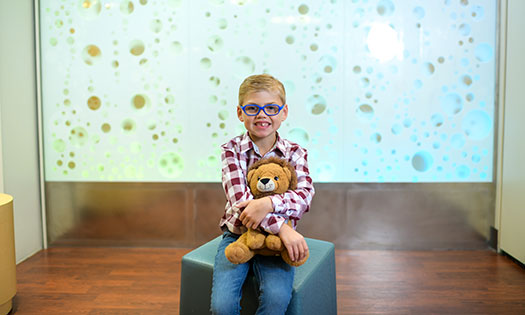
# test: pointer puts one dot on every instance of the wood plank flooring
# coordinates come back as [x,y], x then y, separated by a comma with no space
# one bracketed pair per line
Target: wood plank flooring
[84,280]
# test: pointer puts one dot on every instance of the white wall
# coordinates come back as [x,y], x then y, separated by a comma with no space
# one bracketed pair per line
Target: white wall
[1,162]
[512,212]
[19,123]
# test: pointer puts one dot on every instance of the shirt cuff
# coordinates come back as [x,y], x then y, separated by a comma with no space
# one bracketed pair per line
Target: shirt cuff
[277,202]
[247,196]
[272,223]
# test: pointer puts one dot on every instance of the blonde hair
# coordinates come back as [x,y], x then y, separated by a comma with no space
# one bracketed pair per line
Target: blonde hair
[261,82]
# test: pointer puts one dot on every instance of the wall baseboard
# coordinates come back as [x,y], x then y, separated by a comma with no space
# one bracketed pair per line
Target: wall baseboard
[493,238]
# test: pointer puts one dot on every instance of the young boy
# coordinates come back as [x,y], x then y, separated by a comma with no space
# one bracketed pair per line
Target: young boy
[262,108]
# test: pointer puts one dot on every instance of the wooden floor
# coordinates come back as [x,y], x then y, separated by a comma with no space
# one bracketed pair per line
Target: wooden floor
[146,281]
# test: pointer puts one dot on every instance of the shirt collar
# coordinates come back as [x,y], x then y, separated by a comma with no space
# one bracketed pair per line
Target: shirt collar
[247,144]
[280,145]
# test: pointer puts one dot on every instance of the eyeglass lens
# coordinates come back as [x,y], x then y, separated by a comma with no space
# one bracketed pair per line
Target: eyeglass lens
[270,109]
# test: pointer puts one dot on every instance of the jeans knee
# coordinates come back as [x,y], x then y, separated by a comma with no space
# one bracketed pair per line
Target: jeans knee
[224,307]
[275,299]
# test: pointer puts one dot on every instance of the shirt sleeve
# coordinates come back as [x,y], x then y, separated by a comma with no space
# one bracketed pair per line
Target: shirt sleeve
[294,203]
[235,187]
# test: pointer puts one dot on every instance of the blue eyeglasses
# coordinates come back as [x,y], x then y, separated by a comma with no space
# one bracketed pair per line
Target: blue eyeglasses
[268,109]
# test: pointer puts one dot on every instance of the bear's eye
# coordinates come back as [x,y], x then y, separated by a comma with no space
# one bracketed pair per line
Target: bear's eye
[258,178]
[276,178]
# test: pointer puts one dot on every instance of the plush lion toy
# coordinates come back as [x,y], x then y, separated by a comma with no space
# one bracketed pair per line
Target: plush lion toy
[266,177]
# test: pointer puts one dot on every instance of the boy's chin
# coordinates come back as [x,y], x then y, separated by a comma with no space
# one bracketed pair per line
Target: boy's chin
[261,135]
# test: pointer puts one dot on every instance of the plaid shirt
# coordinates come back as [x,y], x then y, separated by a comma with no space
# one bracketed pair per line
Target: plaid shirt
[237,156]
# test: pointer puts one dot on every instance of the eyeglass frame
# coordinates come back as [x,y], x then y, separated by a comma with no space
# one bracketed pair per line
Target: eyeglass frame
[262,108]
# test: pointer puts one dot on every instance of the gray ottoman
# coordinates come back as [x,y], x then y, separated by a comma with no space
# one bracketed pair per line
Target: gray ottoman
[314,288]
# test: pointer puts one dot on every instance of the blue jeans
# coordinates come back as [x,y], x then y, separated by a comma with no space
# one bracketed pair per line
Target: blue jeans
[274,276]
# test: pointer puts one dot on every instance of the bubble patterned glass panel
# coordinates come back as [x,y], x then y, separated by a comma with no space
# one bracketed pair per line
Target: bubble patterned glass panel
[378,90]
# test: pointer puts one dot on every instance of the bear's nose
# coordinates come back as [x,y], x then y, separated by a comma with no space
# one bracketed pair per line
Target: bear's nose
[265,180]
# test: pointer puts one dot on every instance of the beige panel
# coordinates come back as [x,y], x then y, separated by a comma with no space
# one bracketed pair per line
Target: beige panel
[135,214]
[328,215]
[512,230]
[356,216]
[7,254]
[62,218]
[208,202]
[402,216]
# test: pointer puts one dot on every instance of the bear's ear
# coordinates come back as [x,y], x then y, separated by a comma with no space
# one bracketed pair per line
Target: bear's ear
[288,173]
[250,174]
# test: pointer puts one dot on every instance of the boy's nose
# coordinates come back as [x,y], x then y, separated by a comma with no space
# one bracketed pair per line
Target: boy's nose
[261,113]
[265,180]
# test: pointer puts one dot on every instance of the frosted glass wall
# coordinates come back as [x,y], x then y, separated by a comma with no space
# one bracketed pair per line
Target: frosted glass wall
[378,91]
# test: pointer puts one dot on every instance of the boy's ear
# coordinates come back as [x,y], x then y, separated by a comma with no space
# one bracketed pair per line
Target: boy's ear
[285,112]
[239,114]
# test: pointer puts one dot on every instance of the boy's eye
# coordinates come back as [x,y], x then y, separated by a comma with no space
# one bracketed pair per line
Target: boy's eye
[271,109]
[251,109]
[276,178]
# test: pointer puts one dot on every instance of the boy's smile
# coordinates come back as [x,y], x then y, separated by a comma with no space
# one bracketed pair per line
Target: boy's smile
[262,124]
[261,127]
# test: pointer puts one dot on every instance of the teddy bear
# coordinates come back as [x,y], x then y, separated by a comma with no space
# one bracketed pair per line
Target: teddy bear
[265,177]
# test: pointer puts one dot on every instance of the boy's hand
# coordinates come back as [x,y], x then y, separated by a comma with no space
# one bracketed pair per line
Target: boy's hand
[294,243]
[254,211]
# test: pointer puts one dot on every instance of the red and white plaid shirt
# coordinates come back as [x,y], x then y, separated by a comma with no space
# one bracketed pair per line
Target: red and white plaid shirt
[237,156]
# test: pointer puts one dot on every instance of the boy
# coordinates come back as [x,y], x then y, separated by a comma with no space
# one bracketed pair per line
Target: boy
[262,108]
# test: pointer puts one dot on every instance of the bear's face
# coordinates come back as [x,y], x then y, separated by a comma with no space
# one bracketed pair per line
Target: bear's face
[271,177]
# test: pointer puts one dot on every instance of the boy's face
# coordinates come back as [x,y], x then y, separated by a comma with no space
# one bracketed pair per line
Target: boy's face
[261,126]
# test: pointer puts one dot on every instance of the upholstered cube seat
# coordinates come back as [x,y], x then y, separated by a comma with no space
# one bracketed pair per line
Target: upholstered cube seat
[314,288]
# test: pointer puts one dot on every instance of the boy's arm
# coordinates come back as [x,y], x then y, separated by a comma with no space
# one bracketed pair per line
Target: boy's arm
[234,185]
[294,242]
[293,203]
